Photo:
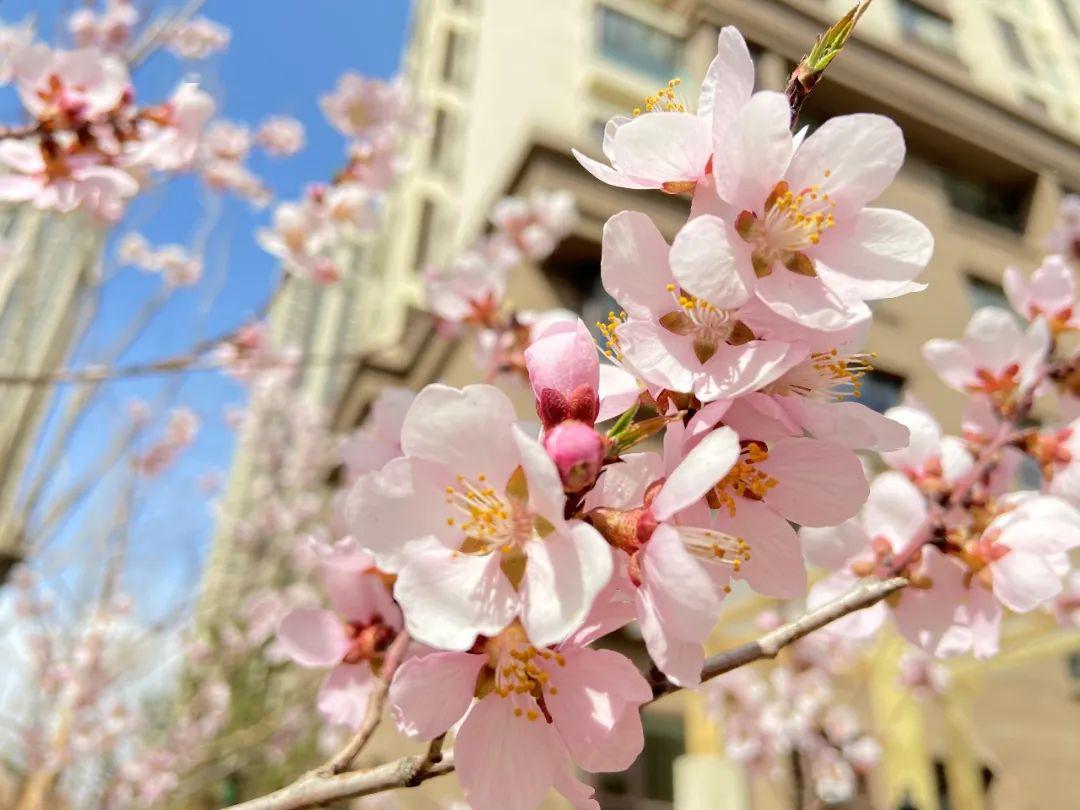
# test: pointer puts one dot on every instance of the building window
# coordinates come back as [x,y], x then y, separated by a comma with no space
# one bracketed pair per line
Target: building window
[1013,44]
[453,68]
[1069,16]
[925,25]
[424,234]
[881,390]
[441,142]
[998,204]
[637,45]
[982,293]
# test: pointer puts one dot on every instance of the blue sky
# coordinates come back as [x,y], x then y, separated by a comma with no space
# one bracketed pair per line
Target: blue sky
[284,54]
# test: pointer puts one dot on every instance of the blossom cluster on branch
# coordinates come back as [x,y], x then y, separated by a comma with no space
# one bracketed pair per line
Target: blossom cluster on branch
[509,551]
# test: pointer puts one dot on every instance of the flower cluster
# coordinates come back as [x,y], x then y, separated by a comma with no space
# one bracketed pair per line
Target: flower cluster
[510,552]
[311,235]
[89,145]
[948,515]
[792,718]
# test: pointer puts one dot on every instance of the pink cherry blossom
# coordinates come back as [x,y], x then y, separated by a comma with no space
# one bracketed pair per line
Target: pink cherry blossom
[280,136]
[667,147]
[994,357]
[530,712]
[170,141]
[110,30]
[682,556]
[1049,293]
[350,638]
[1024,550]
[1058,451]
[369,109]
[796,215]
[178,268]
[70,88]
[198,38]
[379,440]
[471,520]
[684,328]
[62,183]
[535,225]
[933,461]
[1064,240]
[894,511]
[471,287]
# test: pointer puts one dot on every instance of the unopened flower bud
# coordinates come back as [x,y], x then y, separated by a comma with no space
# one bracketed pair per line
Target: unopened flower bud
[578,451]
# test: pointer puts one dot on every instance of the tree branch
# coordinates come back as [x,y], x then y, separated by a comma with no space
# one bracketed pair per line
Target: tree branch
[321,786]
[373,714]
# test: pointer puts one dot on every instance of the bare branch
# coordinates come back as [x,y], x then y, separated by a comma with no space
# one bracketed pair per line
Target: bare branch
[320,787]
[373,715]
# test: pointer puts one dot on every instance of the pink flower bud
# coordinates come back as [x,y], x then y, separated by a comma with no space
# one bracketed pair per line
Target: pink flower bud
[578,452]
[565,374]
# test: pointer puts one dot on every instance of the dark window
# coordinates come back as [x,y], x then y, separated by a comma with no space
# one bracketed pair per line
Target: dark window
[637,45]
[881,390]
[1004,205]
[1013,43]
[982,293]
[453,60]
[1072,665]
[1069,16]
[424,233]
[925,25]
[440,137]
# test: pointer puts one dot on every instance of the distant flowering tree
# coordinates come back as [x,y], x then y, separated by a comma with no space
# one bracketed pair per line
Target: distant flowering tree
[471,563]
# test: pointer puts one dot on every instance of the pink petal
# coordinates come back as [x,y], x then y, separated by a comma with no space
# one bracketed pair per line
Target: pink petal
[564,359]
[728,82]
[634,264]
[681,604]
[757,148]
[879,259]
[611,176]
[344,695]
[449,598]
[818,483]
[861,153]
[623,485]
[504,761]
[546,496]
[619,390]
[833,547]
[665,146]
[705,265]
[432,692]
[851,424]
[895,508]
[925,616]
[702,468]
[467,429]
[595,708]
[564,574]
[807,301]
[776,567]
[1023,581]
[313,637]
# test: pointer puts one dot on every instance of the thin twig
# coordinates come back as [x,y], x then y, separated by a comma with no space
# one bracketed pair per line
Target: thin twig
[373,715]
[317,787]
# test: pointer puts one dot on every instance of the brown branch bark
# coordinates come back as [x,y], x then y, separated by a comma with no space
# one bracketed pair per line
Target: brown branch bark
[319,787]
[373,714]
